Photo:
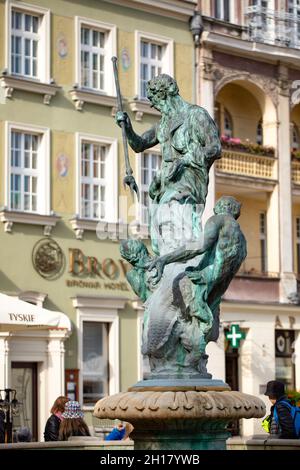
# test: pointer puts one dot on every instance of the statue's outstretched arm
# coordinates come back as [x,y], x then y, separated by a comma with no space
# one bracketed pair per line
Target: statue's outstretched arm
[187,251]
[138,143]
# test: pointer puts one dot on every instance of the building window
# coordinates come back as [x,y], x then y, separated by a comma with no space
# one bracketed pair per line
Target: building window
[92,58]
[298,243]
[96,44]
[151,63]
[24,43]
[222,10]
[232,376]
[295,137]
[294,26]
[28,170]
[284,357]
[97,183]
[150,164]
[228,125]
[93,182]
[155,56]
[259,133]
[95,365]
[28,41]
[263,241]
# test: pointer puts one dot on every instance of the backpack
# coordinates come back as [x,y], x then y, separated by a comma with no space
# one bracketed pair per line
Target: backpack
[295,413]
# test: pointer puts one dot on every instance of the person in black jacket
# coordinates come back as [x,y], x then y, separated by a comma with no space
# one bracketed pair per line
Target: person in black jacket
[282,426]
[2,427]
[52,426]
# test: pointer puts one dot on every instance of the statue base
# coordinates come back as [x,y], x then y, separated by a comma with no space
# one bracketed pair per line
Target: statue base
[180,385]
[177,416]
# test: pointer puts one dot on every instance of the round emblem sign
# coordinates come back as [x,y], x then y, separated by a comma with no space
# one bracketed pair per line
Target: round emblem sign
[48,258]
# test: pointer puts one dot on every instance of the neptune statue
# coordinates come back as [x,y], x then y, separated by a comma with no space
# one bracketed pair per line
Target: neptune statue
[182,283]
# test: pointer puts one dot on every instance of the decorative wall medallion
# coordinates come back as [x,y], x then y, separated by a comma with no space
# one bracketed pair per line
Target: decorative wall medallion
[62,165]
[125,59]
[48,258]
[62,46]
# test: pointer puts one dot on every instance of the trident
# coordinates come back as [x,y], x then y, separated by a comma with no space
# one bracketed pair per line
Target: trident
[129,178]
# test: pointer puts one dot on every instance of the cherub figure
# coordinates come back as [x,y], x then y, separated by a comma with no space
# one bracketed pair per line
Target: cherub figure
[136,253]
[224,249]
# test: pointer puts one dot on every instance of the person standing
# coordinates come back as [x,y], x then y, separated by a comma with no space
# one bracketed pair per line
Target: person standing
[281,422]
[53,423]
[72,423]
[2,427]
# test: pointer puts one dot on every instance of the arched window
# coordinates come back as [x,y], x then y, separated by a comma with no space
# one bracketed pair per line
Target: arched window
[228,126]
[259,133]
[295,137]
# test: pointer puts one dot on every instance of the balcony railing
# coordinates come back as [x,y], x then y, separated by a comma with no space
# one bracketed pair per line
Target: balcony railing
[244,164]
[273,27]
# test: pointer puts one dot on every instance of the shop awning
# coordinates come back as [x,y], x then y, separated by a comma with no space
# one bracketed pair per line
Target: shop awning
[15,314]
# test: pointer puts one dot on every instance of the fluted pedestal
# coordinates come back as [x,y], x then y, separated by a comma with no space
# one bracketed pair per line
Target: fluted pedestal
[179,419]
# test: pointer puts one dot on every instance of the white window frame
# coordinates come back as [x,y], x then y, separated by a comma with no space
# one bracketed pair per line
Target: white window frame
[111,50]
[221,2]
[43,165]
[111,175]
[43,63]
[167,60]
[291,4]
[93,309]
[155,150]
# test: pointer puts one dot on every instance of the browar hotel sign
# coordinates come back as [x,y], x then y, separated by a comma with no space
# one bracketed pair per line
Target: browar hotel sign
[106,273]
[49,261]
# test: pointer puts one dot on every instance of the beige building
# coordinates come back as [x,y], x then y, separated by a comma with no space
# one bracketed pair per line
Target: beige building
[63,205]
[248,79]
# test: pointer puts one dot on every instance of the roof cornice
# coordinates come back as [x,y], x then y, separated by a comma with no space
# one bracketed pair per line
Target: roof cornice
[178,9]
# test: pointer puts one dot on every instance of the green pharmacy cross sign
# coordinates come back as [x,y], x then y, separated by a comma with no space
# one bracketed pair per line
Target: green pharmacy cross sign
[235,336]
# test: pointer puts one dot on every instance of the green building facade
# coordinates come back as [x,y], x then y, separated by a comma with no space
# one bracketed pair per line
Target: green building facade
[63,205]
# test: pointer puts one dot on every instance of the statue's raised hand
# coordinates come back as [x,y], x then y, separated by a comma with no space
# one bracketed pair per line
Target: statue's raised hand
[123,117]
[156,269]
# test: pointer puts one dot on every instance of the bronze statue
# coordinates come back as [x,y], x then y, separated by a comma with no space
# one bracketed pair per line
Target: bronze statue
[192,269]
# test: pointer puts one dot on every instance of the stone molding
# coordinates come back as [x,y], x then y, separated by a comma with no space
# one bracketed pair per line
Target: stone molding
[14,217]
[113,230]
[141,107]
[97,302]
[226,75]
[11,83]
[167,405]
[178,9]
[81,96]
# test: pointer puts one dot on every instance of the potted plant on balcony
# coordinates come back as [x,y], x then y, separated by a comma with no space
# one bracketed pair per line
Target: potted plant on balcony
[236,144]
[295,155]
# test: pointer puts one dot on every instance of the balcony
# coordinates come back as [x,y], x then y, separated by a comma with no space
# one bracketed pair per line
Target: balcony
[296,172]
[247,288]
[246,166]
[268,26]
[251,283]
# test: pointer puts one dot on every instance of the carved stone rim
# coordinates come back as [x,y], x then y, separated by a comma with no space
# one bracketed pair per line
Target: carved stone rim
[135,406]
